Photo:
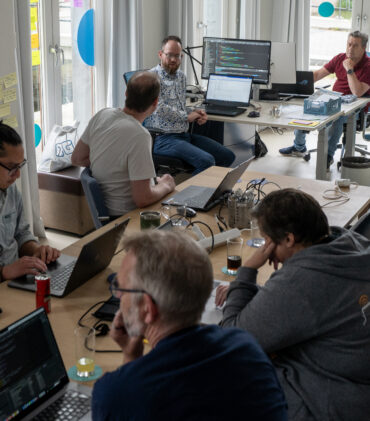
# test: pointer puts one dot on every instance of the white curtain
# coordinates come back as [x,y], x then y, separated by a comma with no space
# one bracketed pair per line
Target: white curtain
[291,23]
[29,183]
[118,48]
[250,19]
[181,23]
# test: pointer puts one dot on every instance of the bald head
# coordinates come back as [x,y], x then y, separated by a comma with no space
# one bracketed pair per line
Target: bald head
[142,91]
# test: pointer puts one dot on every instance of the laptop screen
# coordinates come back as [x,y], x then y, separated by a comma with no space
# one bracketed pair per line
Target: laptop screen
[230,90]
[31,367]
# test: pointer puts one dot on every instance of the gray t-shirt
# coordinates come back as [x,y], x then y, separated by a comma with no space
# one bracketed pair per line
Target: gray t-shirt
[120,152]
[14,229]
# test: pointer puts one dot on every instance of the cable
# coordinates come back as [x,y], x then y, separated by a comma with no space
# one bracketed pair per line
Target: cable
[336,195]
[210,230]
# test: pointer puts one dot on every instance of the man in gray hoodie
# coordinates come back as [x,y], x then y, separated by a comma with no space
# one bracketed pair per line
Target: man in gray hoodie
[311,316]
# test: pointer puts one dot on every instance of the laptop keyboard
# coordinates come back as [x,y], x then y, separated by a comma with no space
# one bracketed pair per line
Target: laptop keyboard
[71,406]
[220,110]
[58,281]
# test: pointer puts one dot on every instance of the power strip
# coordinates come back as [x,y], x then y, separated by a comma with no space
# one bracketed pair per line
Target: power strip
[219,239]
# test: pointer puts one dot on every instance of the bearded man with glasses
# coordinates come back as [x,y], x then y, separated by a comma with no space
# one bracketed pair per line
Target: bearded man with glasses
[172,118]
[20,252]
[193,371]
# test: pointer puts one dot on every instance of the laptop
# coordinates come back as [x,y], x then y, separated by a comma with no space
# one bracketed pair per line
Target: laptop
[205,198]
[34,382]
[303,88]
[68,272]
[226,93]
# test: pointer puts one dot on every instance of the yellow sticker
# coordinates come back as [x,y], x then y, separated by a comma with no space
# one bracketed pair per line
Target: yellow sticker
[4,110]
[34,1]
[11,121]
[36,58]
[10,95]
[34,41]
[33,13]
[10,80]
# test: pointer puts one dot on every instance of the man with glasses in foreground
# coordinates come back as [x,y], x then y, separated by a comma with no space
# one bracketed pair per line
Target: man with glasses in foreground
[173,119]
[20,253]
[192,371]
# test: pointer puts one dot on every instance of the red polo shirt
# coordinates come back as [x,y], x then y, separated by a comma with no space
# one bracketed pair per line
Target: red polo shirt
[362,71]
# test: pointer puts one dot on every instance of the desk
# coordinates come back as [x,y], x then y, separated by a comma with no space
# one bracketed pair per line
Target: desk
[65,312]
[266,119]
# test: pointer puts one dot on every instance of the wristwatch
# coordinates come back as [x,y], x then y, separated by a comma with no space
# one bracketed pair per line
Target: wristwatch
[349,71]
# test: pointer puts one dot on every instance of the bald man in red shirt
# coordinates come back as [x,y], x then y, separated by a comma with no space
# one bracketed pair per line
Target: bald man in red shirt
[352,70]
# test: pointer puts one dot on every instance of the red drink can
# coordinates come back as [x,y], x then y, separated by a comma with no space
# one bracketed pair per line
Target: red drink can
[43,292]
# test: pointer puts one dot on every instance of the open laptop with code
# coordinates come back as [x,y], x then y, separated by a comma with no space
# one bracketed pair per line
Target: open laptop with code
[34,383]
[68,272]
[226,93]
[205,198]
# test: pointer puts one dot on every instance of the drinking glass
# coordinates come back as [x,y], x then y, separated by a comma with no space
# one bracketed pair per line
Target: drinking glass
[150,220]
[85,350]
[234,254]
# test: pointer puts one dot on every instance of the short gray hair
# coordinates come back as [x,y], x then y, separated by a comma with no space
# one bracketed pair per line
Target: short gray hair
[175,271]
[362,35]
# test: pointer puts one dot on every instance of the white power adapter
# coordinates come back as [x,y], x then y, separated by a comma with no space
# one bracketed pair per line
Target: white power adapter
[343,182]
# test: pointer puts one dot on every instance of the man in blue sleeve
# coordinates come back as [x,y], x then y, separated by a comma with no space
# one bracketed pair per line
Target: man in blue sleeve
[312,314]
[192,372]
[20,252]
[172,117]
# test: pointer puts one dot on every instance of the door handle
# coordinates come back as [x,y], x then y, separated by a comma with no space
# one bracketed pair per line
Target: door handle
[57,51]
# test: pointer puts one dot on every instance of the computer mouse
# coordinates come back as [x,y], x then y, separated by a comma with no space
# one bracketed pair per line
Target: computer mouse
[254,114]
[189,212]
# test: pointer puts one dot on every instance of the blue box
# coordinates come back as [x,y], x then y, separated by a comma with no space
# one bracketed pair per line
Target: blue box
[316,106]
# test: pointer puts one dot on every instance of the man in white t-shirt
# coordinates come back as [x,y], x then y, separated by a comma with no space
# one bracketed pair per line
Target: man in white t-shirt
[118,150]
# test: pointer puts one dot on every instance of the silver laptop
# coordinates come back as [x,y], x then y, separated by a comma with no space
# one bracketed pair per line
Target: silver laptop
[34,382]
[226,93]
[205,198]
[68,272]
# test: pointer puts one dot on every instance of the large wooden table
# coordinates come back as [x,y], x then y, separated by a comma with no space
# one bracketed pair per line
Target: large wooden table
[66,312]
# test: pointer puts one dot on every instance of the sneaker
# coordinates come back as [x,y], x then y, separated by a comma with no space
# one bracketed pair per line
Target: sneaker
[329,161]
[292,151]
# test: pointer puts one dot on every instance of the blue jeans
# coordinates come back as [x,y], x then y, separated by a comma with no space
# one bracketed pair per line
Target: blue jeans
[335,133]
[199,151]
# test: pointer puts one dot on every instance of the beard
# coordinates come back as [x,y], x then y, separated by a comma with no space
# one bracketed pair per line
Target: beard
[134,326]
[171,70]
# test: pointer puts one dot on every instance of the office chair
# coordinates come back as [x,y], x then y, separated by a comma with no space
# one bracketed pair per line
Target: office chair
[362,226]
[162,163]
[95,200]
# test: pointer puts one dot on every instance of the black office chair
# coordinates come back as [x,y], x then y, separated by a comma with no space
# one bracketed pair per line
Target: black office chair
[362,226]
[163,163]
[95,199]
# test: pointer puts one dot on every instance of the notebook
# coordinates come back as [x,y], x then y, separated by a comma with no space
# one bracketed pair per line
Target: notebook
[226,93]
[68,273]
[303,88]
[205,198]
[33,376]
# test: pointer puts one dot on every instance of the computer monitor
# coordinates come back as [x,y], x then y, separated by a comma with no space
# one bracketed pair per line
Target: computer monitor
[237,56]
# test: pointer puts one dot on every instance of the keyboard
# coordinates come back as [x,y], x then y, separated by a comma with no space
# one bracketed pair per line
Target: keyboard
[59,279]
[222,110]
[71,406]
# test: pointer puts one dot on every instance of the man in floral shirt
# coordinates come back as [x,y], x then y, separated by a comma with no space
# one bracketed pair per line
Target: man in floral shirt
[173,119]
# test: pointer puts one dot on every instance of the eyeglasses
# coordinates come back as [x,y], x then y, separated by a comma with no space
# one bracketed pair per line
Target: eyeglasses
[171,56]
[115,289]
[12,171]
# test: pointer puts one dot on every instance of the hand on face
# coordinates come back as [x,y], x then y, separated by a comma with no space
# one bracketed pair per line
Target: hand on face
[262,254]
[348,64]
[132,346]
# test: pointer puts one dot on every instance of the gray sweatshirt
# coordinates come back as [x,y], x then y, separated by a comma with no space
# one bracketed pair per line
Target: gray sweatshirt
[311,315]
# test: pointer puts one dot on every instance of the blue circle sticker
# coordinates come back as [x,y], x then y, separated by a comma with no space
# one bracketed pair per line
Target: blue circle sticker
[37,135]
[326,9]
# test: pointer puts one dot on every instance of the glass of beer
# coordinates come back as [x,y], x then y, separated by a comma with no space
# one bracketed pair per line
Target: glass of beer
[85,350]
[234,254]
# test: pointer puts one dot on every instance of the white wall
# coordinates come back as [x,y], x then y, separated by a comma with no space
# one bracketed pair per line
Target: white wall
[154,29]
